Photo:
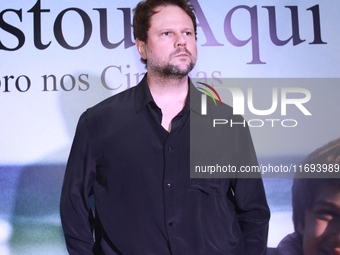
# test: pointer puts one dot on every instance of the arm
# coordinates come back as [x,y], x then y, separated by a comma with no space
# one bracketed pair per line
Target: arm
[250,201]
[75,211]
[253,215]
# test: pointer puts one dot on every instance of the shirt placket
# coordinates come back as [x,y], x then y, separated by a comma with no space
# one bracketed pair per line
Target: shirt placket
[170,186]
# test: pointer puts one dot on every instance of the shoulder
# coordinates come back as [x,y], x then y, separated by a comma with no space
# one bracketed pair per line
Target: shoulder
[122,103]
[215,115]
[214,108]
[123,99]
[108,112]
[290,245]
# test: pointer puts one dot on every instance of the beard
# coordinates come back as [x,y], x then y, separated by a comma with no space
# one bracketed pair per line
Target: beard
[166,69]
[170,70]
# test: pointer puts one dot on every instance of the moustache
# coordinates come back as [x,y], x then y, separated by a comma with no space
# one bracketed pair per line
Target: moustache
[179,51]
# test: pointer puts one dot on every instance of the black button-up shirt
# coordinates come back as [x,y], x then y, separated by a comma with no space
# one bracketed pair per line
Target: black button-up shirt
[145,201]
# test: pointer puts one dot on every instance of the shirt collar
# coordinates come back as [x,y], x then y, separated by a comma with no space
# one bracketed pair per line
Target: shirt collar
[143,95]
[195,98]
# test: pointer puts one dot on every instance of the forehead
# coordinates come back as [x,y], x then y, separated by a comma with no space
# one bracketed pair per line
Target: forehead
[328,193]
[170,16]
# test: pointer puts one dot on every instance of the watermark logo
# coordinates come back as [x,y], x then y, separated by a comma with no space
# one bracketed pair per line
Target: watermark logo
[204,97]
[271,101]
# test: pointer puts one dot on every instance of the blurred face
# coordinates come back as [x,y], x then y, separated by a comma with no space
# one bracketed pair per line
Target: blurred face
[321,234]
[171,46]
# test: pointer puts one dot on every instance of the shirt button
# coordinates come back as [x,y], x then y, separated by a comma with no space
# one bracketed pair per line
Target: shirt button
[169,149]
[170,224]
[169,185]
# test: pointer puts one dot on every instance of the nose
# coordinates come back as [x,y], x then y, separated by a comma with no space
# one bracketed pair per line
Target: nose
[336,238]
[336,251]
[181,41]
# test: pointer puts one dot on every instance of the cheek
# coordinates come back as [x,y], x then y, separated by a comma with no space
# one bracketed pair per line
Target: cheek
[193,47]
[313,235]
[320,227]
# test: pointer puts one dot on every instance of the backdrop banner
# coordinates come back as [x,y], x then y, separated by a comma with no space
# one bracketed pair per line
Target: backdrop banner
[59,58]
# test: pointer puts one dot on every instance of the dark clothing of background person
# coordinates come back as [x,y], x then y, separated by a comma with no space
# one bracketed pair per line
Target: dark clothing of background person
[145,201]
[290,245]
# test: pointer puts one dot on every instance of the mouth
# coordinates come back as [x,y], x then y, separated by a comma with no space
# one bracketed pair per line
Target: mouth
[183,54]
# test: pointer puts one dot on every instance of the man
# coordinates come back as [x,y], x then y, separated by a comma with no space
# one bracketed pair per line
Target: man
[316,206]
[132,151]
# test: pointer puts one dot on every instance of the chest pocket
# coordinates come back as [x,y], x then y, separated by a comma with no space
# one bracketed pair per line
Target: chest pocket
[208,187]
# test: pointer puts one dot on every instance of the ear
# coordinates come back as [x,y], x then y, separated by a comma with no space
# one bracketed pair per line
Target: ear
[141,48]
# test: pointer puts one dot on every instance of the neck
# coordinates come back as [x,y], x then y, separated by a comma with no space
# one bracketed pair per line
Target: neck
[169,94]
[176,87]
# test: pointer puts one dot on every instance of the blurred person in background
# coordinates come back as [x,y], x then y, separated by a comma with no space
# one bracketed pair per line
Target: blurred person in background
[316,207]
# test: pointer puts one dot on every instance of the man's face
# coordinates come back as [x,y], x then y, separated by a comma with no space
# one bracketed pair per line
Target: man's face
[171,47]
[321,234]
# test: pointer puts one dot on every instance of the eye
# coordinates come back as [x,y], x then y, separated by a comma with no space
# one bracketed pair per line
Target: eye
[324,214]
[187,33]
[166,33]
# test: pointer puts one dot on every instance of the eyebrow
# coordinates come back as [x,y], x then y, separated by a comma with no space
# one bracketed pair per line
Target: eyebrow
[171,30]
[327,204]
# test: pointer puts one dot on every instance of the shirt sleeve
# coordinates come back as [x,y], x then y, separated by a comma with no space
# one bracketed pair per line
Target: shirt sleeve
[75,211]
[250,200]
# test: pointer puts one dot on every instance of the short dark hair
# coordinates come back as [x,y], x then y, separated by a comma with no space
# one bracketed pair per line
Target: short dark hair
[146,9]
[304,190]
